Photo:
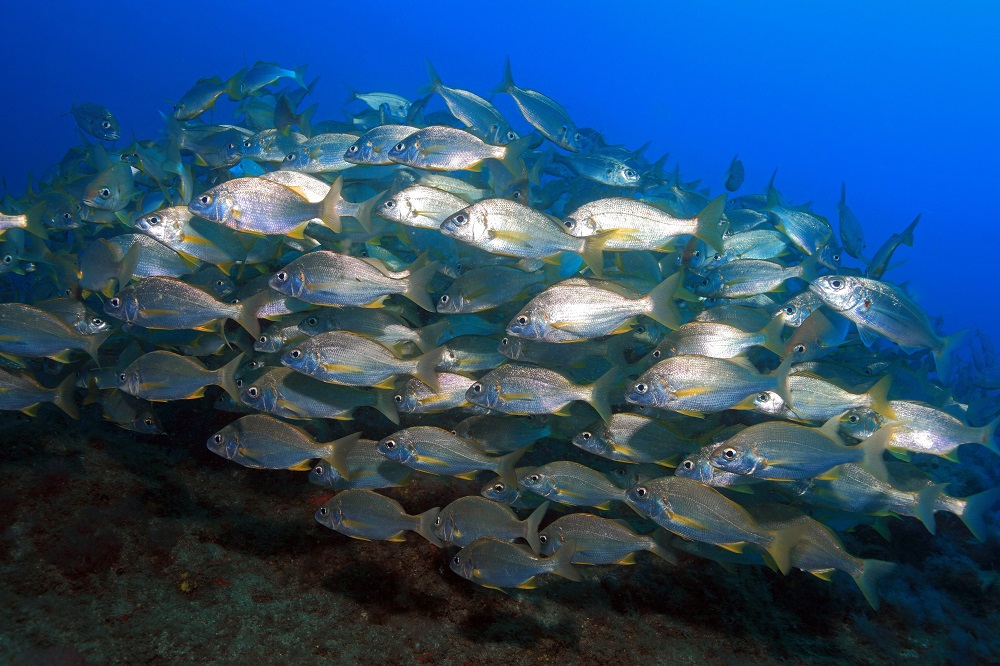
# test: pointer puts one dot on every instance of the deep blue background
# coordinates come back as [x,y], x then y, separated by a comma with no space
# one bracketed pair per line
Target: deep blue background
[900,99]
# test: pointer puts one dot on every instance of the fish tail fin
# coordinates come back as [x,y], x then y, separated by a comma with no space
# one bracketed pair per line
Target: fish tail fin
[927,503]
[593,251]
[810,268]
[435,81]
[661,302]
[562,561]
[872,450]
[94,343]
[432,333]
[418,286]
[879,395]
[782,543]
[33,221]
[425,526]
[505,466]
[512,154]
[64,397]
[384,403]
[226,378]
[508,80]
[907,235]
[336,453]
[531,524]
[329,213]
[128,264]
[942,357]
[988,435]
[599,392]
[661,546]
[299,76]
[709,220]
[246,313]
[781,380]
[364,212]
[867,580]
[772,336]
[424,368]
[975,509]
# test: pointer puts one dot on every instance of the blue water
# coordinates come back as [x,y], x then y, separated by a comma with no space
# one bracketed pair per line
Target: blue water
[898,99]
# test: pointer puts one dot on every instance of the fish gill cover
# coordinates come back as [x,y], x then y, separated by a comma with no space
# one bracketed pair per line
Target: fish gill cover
[477,319]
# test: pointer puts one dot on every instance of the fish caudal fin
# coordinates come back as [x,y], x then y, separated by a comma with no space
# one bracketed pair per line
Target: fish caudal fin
[661,545]
[435,81]
[867,580]
[988,435]
[384,403]
[424,368]
[246,313]
[879,395]
[505,466]
[661,303]
[364,212]
[592,252]
[336,453]
[782,543]
[94,343]
[64,397]
[33,221]
[709,219]
[942,357]
[418,287]
[599,392]
[562,562]
[512,154]
[329,212]
[975,509]
[531,524]
[226,378]
[781,381]
[508,80]
[872,449]
[425,526]
[772,336]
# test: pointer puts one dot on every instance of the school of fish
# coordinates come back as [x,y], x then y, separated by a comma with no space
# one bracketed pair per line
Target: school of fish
[689,375]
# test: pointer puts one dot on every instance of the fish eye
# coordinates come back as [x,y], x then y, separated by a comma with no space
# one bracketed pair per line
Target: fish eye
[641,492]
[437,521]
[516,195]
[511,135]
[640,388]
[577,137]
[220,283]
[312,321]
[67,216]
[704,282]
[790,310]
[398,399]
[570,223]
[640,329]
[585,436]
[444,299]
[763,397]
[729,454]
[837,284]
[105,192]
[504,342]
[253,391]
[619,471]
[281,276]
[205,199]
[543,538]
[800,349]
[390,444]
[318,469]
[121,377]
[688,464]
[460,219]
[239,383]
[657,353]
[389,204]
[534,478]
[400,147]
[247,144]
[629,173]
[853,418]
[290,157]
[836,257]
[477,388]
[696,254]
[522,320]
[263,339]
[148,422]
[457,561]
[499,487]
[105,124]
[295,353]
[153,219]
[115,302]
[353,149]
[364,253]
[217,439]
[7,259]
[323,511]
[97,321]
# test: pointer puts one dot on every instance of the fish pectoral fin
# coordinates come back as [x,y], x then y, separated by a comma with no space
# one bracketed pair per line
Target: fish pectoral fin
[386,383]
[428,460]
[823,574]
[529,584]
[303,466]
[628,559]
[397,537]
[603,506]
[468,476]
[353,524]
[340,367]
[691,412]
[734,547]
[688,522]
[518,237]
[693,391]
[517,396]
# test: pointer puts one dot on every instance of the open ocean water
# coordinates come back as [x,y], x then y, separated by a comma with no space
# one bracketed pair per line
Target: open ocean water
[124,548]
